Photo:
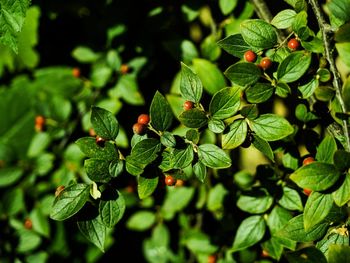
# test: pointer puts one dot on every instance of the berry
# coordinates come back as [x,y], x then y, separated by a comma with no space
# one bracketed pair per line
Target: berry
[308,160]
[92,132]
[264,254]
[293,44]
[139,128]
[169,180]
[143,119]
[307,191]
[250,56]
[265,63]
[188,105]
[39,123]
[28,224]
[59,189]
[124,69]
[76,72]
[100,141]
[179,183]
[212,259]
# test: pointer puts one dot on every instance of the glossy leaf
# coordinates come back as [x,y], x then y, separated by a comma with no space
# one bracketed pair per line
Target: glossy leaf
[225,103]
[70,201]
[294,66]
[194,118]
[243,73]
[291,199]
[284,19]
[104,123]
[259,92]
[111,208]
[264,147]
[342,195]
[146,185]
[160,113]
[214,157]
[257,203]
[271,127]
[90,148]
[234,45]
[94,231]
[97,170]
[191,86]
[316,176]
[326,150]
[235,135]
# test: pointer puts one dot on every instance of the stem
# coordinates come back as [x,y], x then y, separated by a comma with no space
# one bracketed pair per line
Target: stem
[325,30]
[264,13]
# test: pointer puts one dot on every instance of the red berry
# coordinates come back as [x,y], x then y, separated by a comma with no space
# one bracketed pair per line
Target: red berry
[293,44]
[139,128]
[169,180]
[28,224]
[188,105]
[59,189]
[250,56]
[100,141]
[265,63]
[212,259]
[124,69]
[39,120]
[143,119]
[308,160]
[76,72]
[307,191]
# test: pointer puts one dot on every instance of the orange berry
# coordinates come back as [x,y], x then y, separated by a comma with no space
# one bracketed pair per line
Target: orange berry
[293,44]
[124,69]
[76,72]
[28,224]
[307,191]
[179,183]
[265,63]
[92,132]
[264,253]
[250,56]
[143,119]
[39,120]
[308,160]
[212,258]
[139,128]
[169,180]
[188,105]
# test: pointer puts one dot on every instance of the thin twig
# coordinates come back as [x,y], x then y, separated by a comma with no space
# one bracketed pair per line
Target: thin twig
[324,27]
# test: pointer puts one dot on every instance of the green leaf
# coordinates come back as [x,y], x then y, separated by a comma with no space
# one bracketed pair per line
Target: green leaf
[111,207]
[210,49]
[300,21]
[216,197]
[342,195]
[116,167]
[295,230]
[249,232]
[100,74]
[227,6]
[176,199]
[259,92]
[316,176]
[182,158]
[12,16]
[307,254]
[10,175]
[308,89]
[273,247]
[194,118]
[200,171]
[291,199]
[284,19]
[338,237]
[340,9]
[216,126]
[326,149]
[338,253]
[94,231]
[70,201]
[211,76]
[214,157]
[90,148]
[133,166]
[316,209]
[168,139]
[160,113]
[278,218]
[258,33]
[84,54]
[271,127]
[264,147]
[127,88]
[191,86]
[294,66]
[141,221]
[199,243]
[104,123]
[243,73]
[146,185]
[234,45]
[146,151]
[97,170]
[250,111]
[225,103]
[235,135]
[256,203]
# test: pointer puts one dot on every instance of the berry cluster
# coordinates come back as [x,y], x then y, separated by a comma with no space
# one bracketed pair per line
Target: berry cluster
[251,56]
[140,126]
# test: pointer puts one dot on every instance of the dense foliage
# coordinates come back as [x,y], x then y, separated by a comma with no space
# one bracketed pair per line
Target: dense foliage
[204,131]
